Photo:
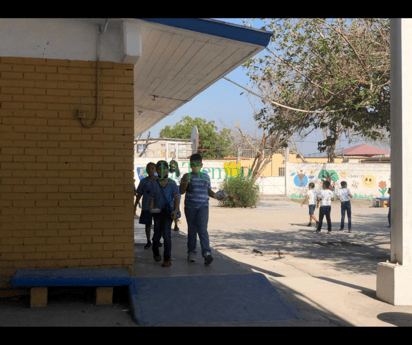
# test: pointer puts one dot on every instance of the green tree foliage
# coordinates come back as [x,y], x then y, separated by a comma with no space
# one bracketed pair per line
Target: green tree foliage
[209,136]
[335,71]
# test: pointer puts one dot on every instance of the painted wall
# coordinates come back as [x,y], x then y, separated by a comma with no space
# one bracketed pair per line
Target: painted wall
[365,181]
[66,192]
[218,170]
[278,161]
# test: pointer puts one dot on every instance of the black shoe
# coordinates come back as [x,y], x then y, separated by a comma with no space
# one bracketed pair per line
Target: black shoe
[329,231]
[176,228]
[148,245]
[310,224]
[208,258]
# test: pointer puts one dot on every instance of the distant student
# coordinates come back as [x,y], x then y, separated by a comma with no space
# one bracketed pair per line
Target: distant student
[143,190]
[389,205]
[311,196]
[344,195]
[175,176]
[325,197]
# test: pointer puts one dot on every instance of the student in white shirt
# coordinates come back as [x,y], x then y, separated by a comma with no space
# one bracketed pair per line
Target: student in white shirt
[311,196]
[325,197]
[344,195]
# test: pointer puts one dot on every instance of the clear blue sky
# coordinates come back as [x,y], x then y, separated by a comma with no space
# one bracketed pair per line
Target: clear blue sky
[222,102]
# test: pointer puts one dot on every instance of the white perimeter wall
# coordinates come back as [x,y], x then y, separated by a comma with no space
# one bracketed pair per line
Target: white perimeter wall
[363,179]
[267,185]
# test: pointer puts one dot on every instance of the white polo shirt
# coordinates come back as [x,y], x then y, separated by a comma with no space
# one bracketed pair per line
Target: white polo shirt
[312,196]
[326,196]
[344,194]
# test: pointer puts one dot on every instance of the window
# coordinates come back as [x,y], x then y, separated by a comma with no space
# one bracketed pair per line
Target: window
[281,171]
[139,148]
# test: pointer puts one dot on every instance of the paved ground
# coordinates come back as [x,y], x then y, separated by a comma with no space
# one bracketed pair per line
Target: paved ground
[329,279]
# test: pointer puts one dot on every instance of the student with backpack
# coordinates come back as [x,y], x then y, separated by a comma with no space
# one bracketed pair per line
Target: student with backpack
[164,204]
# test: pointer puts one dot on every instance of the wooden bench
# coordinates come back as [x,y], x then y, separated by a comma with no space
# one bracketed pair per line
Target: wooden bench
[40,279]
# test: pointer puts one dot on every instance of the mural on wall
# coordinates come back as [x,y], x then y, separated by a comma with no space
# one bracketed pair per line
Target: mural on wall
[300,179]
[141,172]
[382,188]
[297,196]
[329,173]
[232,168]
[369,181]
[360,196]
[366,181]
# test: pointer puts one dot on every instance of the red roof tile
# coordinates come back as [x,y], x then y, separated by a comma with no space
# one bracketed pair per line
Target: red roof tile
[364,150]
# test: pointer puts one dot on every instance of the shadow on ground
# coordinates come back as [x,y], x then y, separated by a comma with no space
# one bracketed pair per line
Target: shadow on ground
[357,252]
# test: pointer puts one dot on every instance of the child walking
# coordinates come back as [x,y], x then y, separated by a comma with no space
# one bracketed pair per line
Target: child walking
[175,176]
[198,189]
[344,195]
[143,190]
[325,197]
[164,204]
[311,196]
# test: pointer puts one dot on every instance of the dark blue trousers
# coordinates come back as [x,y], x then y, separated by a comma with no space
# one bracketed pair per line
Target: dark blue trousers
[345,207]
[162,228]
[324,211]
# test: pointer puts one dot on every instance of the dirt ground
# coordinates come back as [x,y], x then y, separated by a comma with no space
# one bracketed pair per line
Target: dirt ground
[354,203]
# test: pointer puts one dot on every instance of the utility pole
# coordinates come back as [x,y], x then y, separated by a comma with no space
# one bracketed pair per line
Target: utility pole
[286,169]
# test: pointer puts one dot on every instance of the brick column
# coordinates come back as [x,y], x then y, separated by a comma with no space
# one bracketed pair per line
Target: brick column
[66,191]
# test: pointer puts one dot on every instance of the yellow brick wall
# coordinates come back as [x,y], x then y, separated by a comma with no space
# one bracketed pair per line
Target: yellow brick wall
[66,191]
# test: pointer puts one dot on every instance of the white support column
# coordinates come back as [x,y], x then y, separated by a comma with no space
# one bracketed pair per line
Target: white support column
[132,42]
[394,278]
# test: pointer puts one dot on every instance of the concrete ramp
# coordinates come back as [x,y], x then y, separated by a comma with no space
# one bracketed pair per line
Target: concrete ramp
[208,298]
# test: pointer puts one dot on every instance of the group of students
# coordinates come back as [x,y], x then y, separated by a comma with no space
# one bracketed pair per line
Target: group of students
[325,198]
[161,205]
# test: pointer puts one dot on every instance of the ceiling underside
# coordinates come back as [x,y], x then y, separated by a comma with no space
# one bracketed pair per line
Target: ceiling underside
[178,64]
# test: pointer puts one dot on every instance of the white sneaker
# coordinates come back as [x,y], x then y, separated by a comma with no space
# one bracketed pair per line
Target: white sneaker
[191,257]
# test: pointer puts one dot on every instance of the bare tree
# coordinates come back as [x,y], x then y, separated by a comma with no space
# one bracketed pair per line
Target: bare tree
[146,144]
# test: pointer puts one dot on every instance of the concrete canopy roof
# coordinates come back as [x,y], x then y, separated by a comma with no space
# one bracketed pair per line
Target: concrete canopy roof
[183,57]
